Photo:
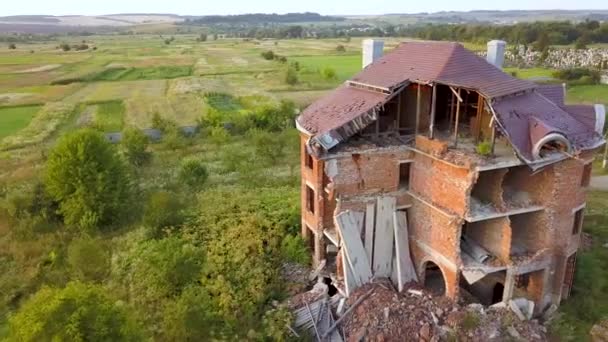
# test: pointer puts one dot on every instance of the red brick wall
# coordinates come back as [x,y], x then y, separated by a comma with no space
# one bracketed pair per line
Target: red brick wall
[494,235]
[367,173]
[444,185]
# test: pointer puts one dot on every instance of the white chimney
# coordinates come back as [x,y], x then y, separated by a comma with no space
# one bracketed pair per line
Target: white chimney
[496,53]
[372,50]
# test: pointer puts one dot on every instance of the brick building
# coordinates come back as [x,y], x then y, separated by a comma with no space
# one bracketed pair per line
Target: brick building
[488,171]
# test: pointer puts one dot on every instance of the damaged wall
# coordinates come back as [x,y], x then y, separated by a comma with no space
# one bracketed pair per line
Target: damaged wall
[444,185]
[366,173]
[435,237]
[494,235]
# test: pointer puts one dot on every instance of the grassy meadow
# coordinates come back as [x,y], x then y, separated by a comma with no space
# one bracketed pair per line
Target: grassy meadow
[13,119]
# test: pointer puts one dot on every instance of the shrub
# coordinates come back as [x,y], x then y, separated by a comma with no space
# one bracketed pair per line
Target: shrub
[340,48]
[189,318]
[291,76]
[219,136]
[89,259]
[135,144]
[193,173]
[268,55]
[268,146]
[88,179]
[79,312]
[163,210]
[293,248]
[12,46]
[484,148]
[328,73]
[161,123]
[65,47]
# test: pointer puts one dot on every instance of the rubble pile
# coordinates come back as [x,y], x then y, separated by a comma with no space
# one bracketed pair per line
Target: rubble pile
[416,315]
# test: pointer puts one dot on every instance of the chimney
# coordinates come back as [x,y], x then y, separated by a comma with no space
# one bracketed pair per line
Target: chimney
[496,53]
[372,50]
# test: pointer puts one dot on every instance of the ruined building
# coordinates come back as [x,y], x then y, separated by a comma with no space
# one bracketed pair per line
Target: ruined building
[432,164]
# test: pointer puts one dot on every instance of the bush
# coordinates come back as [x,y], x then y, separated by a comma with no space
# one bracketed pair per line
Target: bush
[268,55]
[163,210]
[89,259]
[328,73]
[189,318]
[135,144]
[79,312]
[293,248]
[484,148]
[161,123]
[219,136]
[578,75]
[88,179]
[65,47]
[193,173]
[291,76]
[340,48]
[12,46]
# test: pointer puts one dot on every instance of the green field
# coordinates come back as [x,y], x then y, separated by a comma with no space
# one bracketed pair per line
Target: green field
[344,65]
[590,94]
[13,119]
[109,116]
[531,72]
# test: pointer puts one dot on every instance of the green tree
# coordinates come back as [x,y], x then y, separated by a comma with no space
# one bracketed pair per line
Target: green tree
[202,37]
[88,179]
[582,41]
[193,173]
[78,312]
[89,259]
[135,146]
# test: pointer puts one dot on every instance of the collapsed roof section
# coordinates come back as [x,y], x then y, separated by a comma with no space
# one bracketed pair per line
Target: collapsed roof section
[529,118]
[526,113]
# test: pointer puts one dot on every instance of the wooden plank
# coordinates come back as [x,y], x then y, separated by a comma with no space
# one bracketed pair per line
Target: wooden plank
[383,240]
[353,246]
[369,231]
[359,222]
[405,268]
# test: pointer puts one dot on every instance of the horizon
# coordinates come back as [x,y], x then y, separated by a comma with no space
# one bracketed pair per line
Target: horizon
[237,7]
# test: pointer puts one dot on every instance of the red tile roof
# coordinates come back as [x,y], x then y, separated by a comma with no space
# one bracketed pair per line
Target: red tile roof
[554,92]
[339,107]
[443,62]
[531,116]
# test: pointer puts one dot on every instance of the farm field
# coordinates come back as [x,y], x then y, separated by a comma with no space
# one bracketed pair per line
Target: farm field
[13,119]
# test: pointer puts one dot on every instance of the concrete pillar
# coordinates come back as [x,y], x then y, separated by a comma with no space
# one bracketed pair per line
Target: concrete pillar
[509,285]
[319,252]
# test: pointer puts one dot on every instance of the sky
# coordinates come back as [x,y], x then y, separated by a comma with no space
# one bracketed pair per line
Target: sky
[328,7]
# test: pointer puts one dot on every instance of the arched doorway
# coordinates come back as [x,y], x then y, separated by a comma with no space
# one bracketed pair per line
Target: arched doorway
[433,279]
